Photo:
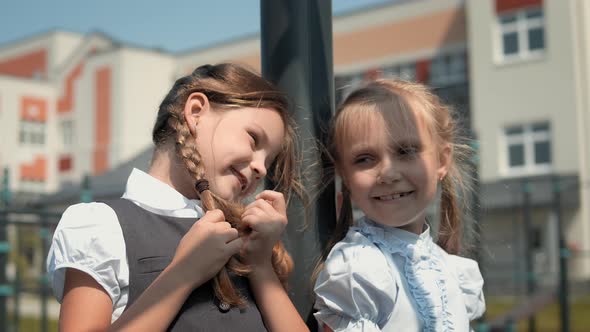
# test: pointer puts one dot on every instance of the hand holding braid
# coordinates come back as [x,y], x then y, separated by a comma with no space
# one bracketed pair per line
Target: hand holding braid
[223,286]
[231,86]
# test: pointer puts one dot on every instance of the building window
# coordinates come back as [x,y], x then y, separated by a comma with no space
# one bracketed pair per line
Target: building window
[67,132]
[448,69]
[528,148]
[521,34]
[32,186]
[32,132]
[406,71]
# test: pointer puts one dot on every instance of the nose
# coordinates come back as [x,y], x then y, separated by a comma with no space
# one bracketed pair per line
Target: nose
[258,168]
[388,172]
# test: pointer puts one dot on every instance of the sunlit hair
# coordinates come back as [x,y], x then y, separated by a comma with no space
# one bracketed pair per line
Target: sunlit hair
[411,100]
[230,86]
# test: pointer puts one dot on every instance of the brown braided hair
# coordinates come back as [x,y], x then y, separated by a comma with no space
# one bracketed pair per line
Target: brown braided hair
[230,86]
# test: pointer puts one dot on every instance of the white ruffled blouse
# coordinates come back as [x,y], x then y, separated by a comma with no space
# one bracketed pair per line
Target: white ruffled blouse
[381,278]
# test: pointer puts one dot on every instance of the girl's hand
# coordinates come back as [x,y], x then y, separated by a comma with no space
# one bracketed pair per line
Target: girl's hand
[206,248]
[267,218]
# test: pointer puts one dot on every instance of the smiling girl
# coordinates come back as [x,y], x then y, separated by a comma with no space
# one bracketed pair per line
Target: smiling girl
[393,145]
[178,252]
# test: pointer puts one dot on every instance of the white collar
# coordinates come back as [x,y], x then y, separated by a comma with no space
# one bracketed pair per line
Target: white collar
[158,197]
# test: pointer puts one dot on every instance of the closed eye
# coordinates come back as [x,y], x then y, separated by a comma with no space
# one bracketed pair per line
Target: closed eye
[254,137]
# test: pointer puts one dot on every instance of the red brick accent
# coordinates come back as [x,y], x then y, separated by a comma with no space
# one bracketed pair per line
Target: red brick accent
[509,5]
[372,74]
[423,71]
[65,163]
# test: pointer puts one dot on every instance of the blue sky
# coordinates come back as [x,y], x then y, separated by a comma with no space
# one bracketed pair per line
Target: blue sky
[174,25]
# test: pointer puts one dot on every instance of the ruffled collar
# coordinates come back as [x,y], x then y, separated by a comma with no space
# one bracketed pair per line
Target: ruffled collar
[393,238]
[422,269]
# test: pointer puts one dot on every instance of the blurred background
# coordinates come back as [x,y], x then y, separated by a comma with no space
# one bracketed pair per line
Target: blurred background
[80,83]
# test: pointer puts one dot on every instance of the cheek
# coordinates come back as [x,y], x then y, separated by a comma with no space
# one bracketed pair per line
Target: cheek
[360,181]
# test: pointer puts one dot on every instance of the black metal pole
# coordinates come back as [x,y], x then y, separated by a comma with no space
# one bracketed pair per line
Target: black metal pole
[44,232]
[563,256]
[526,215]
[296,52]
[5,288]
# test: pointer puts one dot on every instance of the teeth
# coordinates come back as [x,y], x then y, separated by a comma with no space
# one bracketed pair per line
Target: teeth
[392,197]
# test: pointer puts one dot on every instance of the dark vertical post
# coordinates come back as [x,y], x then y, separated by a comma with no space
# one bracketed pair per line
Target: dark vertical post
[296,51]
[5,288]
[44,290]
[563,256]
[86,191]
[526,215]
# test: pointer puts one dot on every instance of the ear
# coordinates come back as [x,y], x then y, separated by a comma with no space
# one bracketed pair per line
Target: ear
[196,105]
[444,161]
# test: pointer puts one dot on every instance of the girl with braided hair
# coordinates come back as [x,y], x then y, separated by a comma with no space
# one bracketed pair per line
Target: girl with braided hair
[179,251]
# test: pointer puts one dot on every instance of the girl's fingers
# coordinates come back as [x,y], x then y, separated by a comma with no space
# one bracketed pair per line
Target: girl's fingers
[275,198]
[213,216]
[253,211]
[230,235]
[234,246]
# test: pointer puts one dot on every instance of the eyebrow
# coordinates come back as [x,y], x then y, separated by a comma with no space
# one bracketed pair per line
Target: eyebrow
[264,135]
[358,148]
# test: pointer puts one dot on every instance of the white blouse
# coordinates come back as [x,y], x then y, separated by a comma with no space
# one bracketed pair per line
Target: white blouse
[381,278]
[89,238]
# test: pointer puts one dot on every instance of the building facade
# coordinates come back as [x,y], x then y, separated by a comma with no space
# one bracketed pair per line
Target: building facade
[515,70]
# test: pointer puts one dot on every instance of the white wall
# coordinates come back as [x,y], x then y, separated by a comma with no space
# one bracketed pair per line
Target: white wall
[522,92]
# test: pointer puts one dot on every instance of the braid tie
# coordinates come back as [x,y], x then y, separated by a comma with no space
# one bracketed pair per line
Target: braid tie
[201,185]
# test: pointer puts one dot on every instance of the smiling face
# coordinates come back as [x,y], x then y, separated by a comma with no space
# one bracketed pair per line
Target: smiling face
[237,146]
[391,165]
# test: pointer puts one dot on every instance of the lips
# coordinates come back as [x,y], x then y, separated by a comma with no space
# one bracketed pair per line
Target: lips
[241,178]
[393,196]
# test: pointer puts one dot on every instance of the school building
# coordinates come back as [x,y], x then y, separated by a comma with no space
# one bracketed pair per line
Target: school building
[516,70]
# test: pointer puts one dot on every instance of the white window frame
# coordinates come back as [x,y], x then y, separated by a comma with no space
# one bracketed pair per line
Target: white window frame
[521,26]
[527,138]
[66,129]
[404,71]
[32,132]
[32,186]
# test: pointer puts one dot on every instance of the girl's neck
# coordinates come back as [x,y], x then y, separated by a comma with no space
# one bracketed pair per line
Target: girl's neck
[166,167]
[416,227]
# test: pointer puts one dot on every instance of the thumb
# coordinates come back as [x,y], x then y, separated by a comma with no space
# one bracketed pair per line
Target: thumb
[213,216]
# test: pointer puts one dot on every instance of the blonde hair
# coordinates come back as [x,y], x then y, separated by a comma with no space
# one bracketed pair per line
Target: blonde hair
[230,86]
[384,96]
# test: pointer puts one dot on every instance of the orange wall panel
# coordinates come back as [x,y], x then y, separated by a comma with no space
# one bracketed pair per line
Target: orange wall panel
[66,102]
[25,65]
[35,171]
[411,35]
[102,105]
[33,109]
